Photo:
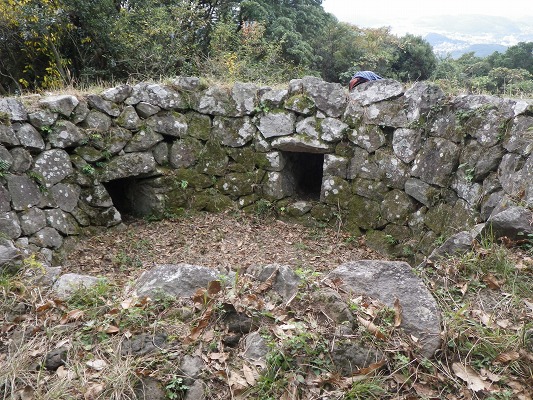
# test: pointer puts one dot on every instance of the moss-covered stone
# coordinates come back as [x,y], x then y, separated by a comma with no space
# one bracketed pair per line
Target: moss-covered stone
[426,242]
[176,200]
[185,152]
[244,156]
[380,242]
[437,218]
[322,212]
[89,153]
[445,219]
[344,149]
[239,184]
[363,213]
[394,241]
[300,103]
[245,202]
[193,178]
[336,191]
[211,201]
[374,190]
[397,206]
[213,159]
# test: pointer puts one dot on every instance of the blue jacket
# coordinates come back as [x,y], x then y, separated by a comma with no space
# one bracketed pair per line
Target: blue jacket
[368,75]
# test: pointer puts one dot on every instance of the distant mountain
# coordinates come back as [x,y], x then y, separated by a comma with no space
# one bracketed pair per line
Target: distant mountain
[482,34]
[443,45]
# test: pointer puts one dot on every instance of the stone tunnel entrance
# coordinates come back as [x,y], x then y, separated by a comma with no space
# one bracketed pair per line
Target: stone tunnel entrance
[306,170]
[133,196]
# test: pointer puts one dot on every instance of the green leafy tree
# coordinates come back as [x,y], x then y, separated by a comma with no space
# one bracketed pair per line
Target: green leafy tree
[293,23]
[414,59]
[335,51]
[33,32]
[519,56]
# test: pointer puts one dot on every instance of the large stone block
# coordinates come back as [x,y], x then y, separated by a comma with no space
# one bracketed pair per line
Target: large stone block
[62,104]
[65,134]
[14,108]
[169,123]
[24,192]
[29,137]
[436,162]
[390,281]
[128,165]
[10,225]
[376,91]
[158,95]
[233,132]
[53,166]
[277,124]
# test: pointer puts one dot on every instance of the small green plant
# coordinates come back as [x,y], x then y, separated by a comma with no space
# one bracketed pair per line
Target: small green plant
[88,170]
[38,179]
[306,274]
[4,167]
[184,184]
[90,297]
[5,118]
[263,208]
[468,171]
[46,129]
[175,388]
[365,389]
[262,108]
[107,154]
[391,240]
[32,263]
[439,241]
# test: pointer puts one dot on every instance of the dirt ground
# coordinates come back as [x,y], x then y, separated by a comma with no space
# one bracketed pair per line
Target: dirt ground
[229,241]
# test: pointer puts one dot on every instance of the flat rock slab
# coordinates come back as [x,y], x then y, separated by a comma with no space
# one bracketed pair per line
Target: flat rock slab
[68,284]
[390,280]
[515,223]
[181,280]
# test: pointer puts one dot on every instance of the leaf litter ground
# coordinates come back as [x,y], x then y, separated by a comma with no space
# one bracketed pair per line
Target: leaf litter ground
[227,241]
[486,299]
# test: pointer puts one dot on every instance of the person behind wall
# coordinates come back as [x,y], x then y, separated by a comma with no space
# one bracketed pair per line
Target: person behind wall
[362,77]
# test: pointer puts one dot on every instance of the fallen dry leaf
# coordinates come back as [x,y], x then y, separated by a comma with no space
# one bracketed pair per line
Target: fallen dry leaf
[397,313]
[237,380]
[266,285]
[93,391]
[214,287]
[71,316]
[483,317]
[372,328]
[505,358]
[492,377]
[27,393]
[492,282]
[248,375]
[222,357]
[371,368]
[63,373]
[197,331]
[470,376]
[425,392]
[112,329]
[45,306]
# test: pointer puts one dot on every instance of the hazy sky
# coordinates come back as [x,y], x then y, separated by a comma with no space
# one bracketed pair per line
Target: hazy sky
[398,13]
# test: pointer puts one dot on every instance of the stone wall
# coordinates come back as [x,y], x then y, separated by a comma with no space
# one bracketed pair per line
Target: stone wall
[407,167]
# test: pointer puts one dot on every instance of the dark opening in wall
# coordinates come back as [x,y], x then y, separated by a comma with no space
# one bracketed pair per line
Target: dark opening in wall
[307,171]
[132,196]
